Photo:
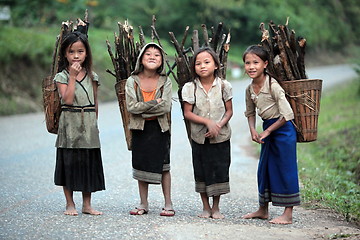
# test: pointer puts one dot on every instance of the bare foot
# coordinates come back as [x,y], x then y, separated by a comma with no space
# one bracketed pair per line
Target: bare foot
[217,215]
[71,211]
[283,219]
[91,211]
[258,214]
[205,214]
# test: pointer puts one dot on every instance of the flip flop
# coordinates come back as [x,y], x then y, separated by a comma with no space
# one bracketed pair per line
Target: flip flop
[138,211]
[167,212]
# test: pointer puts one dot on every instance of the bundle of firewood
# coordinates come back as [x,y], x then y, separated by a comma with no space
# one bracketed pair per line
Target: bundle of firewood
[286,52]
[51,99]
[124,61]
[286,64]
[218,41]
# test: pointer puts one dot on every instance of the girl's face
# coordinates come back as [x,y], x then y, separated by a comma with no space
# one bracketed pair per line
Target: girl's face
[76,53]
[151,59]
[254,66]
[205,65]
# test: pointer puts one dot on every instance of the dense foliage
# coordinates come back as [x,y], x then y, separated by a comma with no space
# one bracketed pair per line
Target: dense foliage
[27,40]
[325,23]
[330,167]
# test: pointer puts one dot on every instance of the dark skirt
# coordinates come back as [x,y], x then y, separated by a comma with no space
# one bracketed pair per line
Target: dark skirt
[79,169]
[150,152]
[277,172]
[211,164]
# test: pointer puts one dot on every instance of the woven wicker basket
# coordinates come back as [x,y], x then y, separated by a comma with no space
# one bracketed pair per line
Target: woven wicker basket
[52,105]
[125,115]
[304,97]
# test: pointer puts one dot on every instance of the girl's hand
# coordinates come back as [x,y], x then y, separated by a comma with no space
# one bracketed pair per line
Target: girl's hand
[263,135]
[158,100]
[213,129]
[255,136]
[75,69]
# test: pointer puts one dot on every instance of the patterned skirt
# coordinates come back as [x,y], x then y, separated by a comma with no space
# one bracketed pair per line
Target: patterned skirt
[277,171]
[150,152]
[211,164]
[79,169]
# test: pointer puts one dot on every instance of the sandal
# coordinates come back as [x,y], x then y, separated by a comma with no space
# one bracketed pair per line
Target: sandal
[167,212]
[139,211]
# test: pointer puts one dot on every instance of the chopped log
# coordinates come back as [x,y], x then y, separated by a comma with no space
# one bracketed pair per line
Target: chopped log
[284,60]
[117,75]
[81,26]
[292,42]
[279,73]
[141,37]
[153,25]
[224,56]
[184,38]
[221,45]
[205,35]
[216,37]
[291,59]
[301,63]
[184,71]
[195,40]
[267,45]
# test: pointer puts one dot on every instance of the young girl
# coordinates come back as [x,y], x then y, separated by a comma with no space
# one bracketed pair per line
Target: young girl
[277,170]
[208,107]
[148,99]
[78,157]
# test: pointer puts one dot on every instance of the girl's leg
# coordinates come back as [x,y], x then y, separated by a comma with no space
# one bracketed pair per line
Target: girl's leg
[215,211]
[206,213]
[166,188]
[143,191]
[143,208]
[87,209]
[262,213]
[70,205]
[285,218]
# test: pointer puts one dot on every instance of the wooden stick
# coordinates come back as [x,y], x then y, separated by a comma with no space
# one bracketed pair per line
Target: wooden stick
[153,25]
[216,38]
[184,38]
[195,40]
[284,59]
[141,37]
[54,62]
[112,59]
[205,35]
[290,56]
[301,63]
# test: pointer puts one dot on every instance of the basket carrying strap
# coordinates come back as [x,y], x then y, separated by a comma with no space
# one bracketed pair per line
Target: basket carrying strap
[222,90]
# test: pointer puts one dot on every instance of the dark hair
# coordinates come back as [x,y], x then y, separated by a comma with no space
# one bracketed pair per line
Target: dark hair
[69,40]
[214,56]
[161,68]
[258,51]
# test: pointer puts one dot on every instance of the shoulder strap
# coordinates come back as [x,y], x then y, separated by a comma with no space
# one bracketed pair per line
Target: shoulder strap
[271,93]
[222,90]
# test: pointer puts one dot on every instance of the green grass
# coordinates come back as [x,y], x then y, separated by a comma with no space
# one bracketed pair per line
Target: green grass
[329,168]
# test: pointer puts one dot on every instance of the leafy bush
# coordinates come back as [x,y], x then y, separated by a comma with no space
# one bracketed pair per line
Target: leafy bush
[330,167]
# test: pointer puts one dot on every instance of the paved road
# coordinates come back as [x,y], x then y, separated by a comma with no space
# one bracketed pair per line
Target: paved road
[32,207]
